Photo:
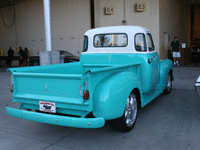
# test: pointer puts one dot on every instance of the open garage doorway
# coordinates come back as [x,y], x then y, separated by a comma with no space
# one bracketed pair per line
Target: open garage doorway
[195,33]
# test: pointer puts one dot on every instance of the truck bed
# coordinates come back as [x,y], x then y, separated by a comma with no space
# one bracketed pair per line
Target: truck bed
[62,83]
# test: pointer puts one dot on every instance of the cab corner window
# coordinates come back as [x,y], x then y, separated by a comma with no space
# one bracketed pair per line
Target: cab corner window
[85,44]
[150,42]
[140,42]
[111,40]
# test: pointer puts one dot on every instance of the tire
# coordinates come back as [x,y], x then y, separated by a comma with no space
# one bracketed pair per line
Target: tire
[169,85]
[127,121]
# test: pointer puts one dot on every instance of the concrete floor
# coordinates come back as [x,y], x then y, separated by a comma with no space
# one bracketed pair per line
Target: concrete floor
[169,122]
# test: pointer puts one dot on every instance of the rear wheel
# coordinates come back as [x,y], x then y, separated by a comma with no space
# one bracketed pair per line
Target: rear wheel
[128,119]
[169,84]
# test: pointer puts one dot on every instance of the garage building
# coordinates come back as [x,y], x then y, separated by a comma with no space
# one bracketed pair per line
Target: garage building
[22,22]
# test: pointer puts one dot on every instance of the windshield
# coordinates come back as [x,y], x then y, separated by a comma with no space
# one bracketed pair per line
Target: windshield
[111,40]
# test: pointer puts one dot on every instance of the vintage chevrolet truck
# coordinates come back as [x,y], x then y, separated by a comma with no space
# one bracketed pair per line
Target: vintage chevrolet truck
[118,72]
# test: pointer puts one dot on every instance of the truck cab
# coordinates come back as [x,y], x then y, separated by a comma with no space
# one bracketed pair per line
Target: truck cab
[123,45]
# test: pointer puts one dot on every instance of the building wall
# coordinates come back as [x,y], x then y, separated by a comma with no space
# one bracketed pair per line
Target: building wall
[193,1]
[148,19]
[7,32]
[192,5]
[70,20]
[30,26]
[174,17]
[196,30]
[124,10]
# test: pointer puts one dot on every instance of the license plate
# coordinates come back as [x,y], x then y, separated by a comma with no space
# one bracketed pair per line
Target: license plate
[47,106]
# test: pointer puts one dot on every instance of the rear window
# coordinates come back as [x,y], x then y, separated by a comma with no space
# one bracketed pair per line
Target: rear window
[111,40]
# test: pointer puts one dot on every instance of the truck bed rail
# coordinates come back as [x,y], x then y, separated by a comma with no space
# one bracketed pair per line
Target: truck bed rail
[116,67]
[77,76]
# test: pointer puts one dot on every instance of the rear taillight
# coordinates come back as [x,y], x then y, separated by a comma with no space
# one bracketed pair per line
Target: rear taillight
[11,87]
[86,95]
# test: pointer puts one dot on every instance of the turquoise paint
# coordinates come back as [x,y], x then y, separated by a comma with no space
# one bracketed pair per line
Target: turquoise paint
[57,120]
[147,71]
[165,67]
[111,78]
[110,74]
[111,94]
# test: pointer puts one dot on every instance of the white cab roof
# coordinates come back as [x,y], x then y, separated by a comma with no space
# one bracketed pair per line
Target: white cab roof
[116,29]
[129,30]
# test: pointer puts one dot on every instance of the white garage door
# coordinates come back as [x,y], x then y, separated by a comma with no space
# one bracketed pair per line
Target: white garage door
[70,20]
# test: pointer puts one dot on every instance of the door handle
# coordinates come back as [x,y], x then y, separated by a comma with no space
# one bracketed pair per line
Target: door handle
[151,59]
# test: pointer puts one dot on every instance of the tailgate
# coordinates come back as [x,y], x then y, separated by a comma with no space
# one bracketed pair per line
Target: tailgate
[63,89]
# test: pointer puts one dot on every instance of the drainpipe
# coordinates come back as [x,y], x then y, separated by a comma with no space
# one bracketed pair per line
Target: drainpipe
[124,21]
[47,24]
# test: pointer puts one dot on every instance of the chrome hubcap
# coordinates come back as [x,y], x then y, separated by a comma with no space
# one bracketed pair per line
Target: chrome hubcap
[131,110]
[169,83]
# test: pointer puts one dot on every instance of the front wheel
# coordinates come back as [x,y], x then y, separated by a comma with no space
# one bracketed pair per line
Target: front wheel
[169,84]
[128,119]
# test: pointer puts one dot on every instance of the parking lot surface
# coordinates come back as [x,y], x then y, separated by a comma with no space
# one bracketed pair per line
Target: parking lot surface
[169,122]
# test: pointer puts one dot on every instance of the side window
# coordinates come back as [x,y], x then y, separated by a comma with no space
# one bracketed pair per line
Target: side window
[150,42]
[85,44]
[140,42]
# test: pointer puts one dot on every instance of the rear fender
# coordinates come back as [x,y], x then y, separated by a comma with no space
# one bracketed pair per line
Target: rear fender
[111,94]
[165,67]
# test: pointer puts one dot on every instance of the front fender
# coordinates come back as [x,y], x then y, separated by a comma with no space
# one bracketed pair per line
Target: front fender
[165,67]
[111,94]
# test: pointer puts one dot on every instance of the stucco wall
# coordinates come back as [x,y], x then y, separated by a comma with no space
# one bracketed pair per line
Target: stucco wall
[70,20]
[30,26]
[7,34]
[174,17]
[148,18]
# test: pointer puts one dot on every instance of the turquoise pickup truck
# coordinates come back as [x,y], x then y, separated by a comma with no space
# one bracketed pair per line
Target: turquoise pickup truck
[118,72]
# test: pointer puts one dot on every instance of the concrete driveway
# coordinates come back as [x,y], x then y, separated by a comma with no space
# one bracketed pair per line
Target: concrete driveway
[169,122]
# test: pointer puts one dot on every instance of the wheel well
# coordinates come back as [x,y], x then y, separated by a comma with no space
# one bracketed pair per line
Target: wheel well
[136,90]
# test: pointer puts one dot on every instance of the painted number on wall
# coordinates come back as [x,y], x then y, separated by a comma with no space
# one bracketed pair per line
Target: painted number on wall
[108,10]
[140,7]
